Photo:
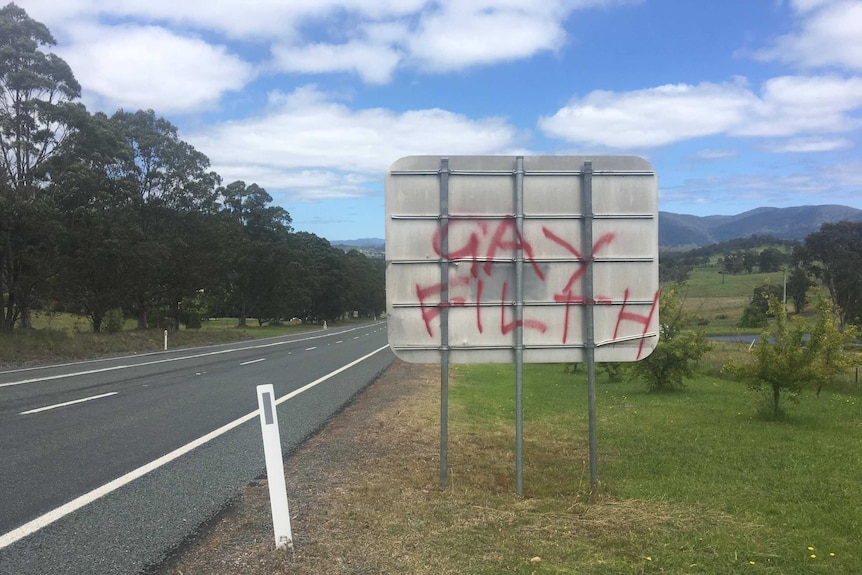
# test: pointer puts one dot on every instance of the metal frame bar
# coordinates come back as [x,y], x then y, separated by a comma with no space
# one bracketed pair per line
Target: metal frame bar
[444,321]
[519,328]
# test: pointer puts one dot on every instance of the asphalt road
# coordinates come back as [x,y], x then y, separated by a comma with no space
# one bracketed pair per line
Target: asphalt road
[107,466]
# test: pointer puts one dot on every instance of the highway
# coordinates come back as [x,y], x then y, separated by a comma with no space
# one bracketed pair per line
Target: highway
[106,466]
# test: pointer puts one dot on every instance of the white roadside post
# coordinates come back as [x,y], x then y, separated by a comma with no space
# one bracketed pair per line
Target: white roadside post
[166,340]
[274,466]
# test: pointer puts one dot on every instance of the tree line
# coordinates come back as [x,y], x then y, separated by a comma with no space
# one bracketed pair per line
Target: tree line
[101,213]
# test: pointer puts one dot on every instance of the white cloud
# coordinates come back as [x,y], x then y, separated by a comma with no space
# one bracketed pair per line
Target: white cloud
[809,145]
[306,136]
[465,34]
[803,104]
[829,35]
[374,62]
[165,55]
[441,36]
[658,116]
[650,117]
[839,184]
[252,20]
[149,67]
[299,185]
[847,174]
[709,155]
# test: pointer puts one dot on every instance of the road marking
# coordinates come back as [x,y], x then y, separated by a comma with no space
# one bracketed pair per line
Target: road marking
[339,341]
[50,377]
[56,514]
[91,398]
[253,361]
[158,361]
[310,348]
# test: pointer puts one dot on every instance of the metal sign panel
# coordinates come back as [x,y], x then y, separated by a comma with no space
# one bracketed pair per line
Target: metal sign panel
[486,253]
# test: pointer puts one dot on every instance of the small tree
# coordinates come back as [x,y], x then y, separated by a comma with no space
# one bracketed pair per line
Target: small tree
[763,293]
[832,360]
[791,356]
[755,313]
[678,348]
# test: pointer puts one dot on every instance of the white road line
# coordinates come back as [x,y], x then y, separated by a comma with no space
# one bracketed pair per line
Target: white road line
[91,398]
[56,514]
[50,377]
[154,362]
[310,348]
[253,361]
[339,341]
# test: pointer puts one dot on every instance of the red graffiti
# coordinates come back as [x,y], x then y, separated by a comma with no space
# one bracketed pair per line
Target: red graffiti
[481,243]
[567,296]
[638,318]
[472,247]
[431,312]
[509,327]
[484,244]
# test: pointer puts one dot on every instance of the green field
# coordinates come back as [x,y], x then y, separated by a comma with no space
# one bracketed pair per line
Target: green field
[718,300]
[690,482]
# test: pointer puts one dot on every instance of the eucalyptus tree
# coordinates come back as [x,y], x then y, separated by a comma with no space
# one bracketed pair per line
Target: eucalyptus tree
[366,279]
[169,179]
[90,187]
[834,256]
[326,277]
[259,281]
[37,93]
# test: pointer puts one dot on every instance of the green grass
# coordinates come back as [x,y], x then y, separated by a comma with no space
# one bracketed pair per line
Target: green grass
[706,282]
[702,484]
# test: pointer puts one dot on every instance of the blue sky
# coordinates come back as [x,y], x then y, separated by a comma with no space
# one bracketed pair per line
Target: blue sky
[737,104]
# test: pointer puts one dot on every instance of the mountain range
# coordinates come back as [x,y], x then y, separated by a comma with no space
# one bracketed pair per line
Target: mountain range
[682,230]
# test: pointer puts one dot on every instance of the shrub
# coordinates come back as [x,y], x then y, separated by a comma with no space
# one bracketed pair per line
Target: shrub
[193,320]
[114,320]
[678,348]
[753,316]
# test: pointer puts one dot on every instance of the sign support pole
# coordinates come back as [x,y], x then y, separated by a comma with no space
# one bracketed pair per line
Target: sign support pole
[519,328]
[444,321]
[589,319]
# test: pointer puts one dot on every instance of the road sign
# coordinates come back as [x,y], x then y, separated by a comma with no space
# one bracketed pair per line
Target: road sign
[484,250]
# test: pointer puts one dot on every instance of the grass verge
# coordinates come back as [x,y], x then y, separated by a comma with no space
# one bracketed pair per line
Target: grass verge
[69,338]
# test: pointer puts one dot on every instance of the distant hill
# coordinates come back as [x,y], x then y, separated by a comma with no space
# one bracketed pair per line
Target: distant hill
[680,230]
[371,247]
[360,243]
